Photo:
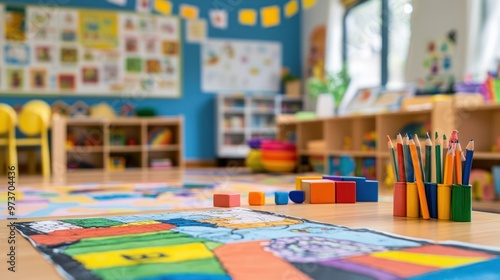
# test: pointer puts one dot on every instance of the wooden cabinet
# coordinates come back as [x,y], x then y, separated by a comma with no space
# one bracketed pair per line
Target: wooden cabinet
[116,144]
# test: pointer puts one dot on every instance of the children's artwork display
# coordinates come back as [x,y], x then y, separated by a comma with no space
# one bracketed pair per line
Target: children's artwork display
[233,65]
[245,244]
[88,52]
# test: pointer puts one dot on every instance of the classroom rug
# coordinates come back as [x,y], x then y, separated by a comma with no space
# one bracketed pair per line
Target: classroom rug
[240,243]
[90,199]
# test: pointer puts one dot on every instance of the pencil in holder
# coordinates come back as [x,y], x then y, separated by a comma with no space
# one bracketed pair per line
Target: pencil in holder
[444,201]
[461,203]
[399,199]
[432,200]
[412,203]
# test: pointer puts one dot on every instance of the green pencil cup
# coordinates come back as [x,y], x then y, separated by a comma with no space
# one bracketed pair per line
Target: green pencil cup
[461,203]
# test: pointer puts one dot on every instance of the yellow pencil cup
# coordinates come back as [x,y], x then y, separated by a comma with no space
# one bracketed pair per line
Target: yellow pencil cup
[412,206]
[444,201]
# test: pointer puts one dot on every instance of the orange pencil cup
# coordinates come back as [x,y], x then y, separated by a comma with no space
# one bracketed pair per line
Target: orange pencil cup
[412,205]
[444,201]
[399,199]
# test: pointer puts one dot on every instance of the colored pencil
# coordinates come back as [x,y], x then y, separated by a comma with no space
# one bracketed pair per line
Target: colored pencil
[448,167]
[410,175]
[393,154]
[445,153]
[458,163]
[419,153]
[469,151]
[424,210]
[439,164]
[401,158]
[428,158]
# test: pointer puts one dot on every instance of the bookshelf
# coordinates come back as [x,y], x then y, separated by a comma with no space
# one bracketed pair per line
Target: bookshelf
[90,143]
[242,117]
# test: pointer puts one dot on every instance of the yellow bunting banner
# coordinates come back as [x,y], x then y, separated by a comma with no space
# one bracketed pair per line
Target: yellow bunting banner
[189,11]
[247,17]
[291,8]
[270,16]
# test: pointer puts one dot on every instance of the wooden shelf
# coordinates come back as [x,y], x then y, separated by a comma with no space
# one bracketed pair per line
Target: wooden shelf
[490,206]
[486,155]
[85,149]
[125,149]
[353,153]
[136,156]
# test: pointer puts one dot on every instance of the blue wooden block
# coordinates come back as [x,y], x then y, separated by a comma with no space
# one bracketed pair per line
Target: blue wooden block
[297,196]
[360,181]
[281,198]
[367,191]
[333,177]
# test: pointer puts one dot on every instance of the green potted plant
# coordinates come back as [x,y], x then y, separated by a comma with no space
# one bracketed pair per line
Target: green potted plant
[334,84]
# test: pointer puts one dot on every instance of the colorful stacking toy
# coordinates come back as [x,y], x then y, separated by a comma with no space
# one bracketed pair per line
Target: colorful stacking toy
[278,156]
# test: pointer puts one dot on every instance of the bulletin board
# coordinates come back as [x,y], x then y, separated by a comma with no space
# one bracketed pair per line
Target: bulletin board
[85,52]
[236,65]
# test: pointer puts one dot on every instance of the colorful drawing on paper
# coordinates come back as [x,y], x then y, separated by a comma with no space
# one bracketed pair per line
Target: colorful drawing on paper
[69,55]
[14,78]
[68,21]
[99,30]
[196,30]
[229,65]
[134,65]
[67,82]
[218,18]
[38,78]
[245,244]
[17,54]
[15,23]
[41,24]
[439,64]
[44,53]
[90,75]
[89,199]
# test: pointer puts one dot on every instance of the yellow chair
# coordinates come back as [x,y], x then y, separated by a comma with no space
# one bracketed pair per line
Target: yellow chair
[34,122]
[8,135]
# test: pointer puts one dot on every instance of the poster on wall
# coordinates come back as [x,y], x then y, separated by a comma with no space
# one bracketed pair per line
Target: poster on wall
[86,52]
[236,65]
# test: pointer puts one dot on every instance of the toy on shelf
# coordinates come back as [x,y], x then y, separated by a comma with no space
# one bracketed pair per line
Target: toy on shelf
[117,137]
[369,141]
[366,167]
[160,136]
[342,166]
[419,128]
[161,163]
[278,156]
[347,143]
[482,185]
[102,110]
[131,142]
[127,110]
[317,163]
[146,112]
[116,163]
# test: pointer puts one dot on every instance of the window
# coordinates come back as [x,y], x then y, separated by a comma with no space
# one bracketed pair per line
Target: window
[371,59]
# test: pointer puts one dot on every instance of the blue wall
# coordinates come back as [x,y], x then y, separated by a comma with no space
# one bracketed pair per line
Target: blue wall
[197,107]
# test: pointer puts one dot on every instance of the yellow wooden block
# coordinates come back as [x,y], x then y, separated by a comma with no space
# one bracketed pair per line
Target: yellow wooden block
[298,180]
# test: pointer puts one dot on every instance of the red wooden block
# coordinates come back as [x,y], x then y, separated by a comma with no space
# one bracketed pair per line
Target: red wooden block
[226,200]
[345,192]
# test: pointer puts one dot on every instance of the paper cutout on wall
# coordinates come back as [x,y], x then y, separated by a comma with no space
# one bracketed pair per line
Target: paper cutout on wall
[163,7]
[291,8]
[270,16]
[307,4]
[143,6]
[188,11]
[99,30]
[234,65]
[15,24]
[196,30]
[247,17]
[218,18]
[118,2]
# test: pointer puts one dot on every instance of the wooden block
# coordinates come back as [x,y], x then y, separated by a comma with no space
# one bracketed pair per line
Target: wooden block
[323,192]
[297,196]
[306,187]
[226,200]
[256,198]
[281,198]
[345,192]
[332,178]
[367,191]
[298,180]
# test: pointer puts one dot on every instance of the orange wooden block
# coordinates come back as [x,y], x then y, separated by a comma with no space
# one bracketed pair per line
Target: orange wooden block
[322,192]
[226,200]
[307,187]
[256,198]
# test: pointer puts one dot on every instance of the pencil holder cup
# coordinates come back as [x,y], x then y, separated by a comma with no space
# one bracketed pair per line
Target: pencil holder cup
[432,200]
[461,203]
[444,201]
[412,206]
[399,199]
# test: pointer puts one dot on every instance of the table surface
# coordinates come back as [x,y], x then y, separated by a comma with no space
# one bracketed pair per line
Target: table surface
[483,230]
